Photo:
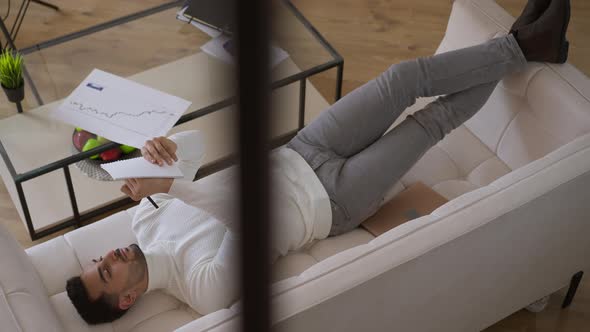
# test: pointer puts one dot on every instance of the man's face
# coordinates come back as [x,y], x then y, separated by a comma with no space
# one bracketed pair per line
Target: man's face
[114,273]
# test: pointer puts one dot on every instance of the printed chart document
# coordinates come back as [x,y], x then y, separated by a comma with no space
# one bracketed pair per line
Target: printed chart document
[140,168]
[120,110]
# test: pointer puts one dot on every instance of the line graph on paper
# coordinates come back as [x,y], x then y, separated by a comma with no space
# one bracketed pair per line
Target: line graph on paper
[89,109]
[120,110]
[151,120]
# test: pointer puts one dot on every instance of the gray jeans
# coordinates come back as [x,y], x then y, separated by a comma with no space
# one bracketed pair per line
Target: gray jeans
[346,145]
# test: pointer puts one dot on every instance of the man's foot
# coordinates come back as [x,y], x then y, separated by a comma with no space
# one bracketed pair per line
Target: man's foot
[544,39]
[531,12]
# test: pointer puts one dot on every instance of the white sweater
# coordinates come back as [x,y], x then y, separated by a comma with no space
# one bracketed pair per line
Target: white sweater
[190,242]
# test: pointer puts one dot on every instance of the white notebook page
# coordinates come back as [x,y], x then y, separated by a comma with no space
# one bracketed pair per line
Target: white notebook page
[141,168]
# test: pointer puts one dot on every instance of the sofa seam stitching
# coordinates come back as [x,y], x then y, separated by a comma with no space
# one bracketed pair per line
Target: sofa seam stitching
[74,251]
[500,25]
[502,135]
[482,163]
[481,142]
[459,169]
[154,315]
[567,81]
[528,83]
[19,291]
[516,113]
[3,296]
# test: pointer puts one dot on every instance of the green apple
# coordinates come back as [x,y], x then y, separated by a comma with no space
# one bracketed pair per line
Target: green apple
[127,149]
[78,129]
[101,140]
[91,143]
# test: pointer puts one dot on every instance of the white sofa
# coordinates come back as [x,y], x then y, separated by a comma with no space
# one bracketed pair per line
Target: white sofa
[515,229]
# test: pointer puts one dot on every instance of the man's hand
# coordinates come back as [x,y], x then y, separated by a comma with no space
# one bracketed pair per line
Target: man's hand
[160,150]
[140,188]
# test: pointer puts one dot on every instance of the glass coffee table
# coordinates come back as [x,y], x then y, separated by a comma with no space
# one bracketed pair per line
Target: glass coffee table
[153,48]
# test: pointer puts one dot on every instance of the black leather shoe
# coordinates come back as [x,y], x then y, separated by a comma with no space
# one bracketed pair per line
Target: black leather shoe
[544,39]
[531,12]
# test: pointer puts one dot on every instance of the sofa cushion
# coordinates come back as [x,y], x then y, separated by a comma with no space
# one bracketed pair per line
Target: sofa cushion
[56,261]
[154,307]
[24,305]
[292,265]
[333,245]
[98,238]
[296,262]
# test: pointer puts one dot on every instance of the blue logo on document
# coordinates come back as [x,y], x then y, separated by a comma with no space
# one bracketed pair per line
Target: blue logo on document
[94,86]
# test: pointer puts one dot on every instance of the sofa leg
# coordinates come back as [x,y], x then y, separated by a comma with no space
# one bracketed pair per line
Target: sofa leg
[571,292]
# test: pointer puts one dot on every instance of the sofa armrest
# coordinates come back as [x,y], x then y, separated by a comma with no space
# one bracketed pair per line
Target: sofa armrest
[24,305]
[472,22]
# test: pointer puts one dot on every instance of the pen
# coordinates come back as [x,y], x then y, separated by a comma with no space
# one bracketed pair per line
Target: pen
[153,203]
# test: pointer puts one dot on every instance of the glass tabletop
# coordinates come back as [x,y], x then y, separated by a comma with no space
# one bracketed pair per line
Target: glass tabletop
[146,43]
[163,53]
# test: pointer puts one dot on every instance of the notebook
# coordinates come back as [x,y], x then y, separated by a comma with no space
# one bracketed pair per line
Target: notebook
[141,168]
[416,201]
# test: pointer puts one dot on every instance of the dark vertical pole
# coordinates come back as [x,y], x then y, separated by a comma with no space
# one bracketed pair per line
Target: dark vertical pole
[18,23]
[339,73]
[302,103]
[571,292]
[254,86]
[25,207]
[72,194]
[46,4]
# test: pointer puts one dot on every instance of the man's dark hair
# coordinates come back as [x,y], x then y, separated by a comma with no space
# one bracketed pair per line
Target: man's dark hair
[102,310]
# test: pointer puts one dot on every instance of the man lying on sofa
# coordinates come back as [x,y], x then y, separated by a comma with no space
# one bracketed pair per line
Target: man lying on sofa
[331,177]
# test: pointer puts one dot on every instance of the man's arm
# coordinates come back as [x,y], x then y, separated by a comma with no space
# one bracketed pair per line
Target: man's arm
[213,285]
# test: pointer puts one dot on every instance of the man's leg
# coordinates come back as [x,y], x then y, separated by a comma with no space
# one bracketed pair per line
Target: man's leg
[357,185]
[362,116]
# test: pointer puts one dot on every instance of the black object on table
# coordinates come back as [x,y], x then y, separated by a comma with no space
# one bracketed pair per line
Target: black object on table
[217,14]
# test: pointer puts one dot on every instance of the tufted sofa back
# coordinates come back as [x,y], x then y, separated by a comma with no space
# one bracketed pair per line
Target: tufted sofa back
[529,114]
[533,112]
[24,305]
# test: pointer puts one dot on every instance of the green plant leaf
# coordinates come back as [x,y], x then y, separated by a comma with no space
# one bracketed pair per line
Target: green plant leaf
[11,69]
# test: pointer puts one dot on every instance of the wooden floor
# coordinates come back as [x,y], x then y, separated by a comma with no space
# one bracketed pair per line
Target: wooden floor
[371,35]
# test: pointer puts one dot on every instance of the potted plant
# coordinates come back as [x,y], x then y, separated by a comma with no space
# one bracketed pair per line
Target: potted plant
[11,75]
